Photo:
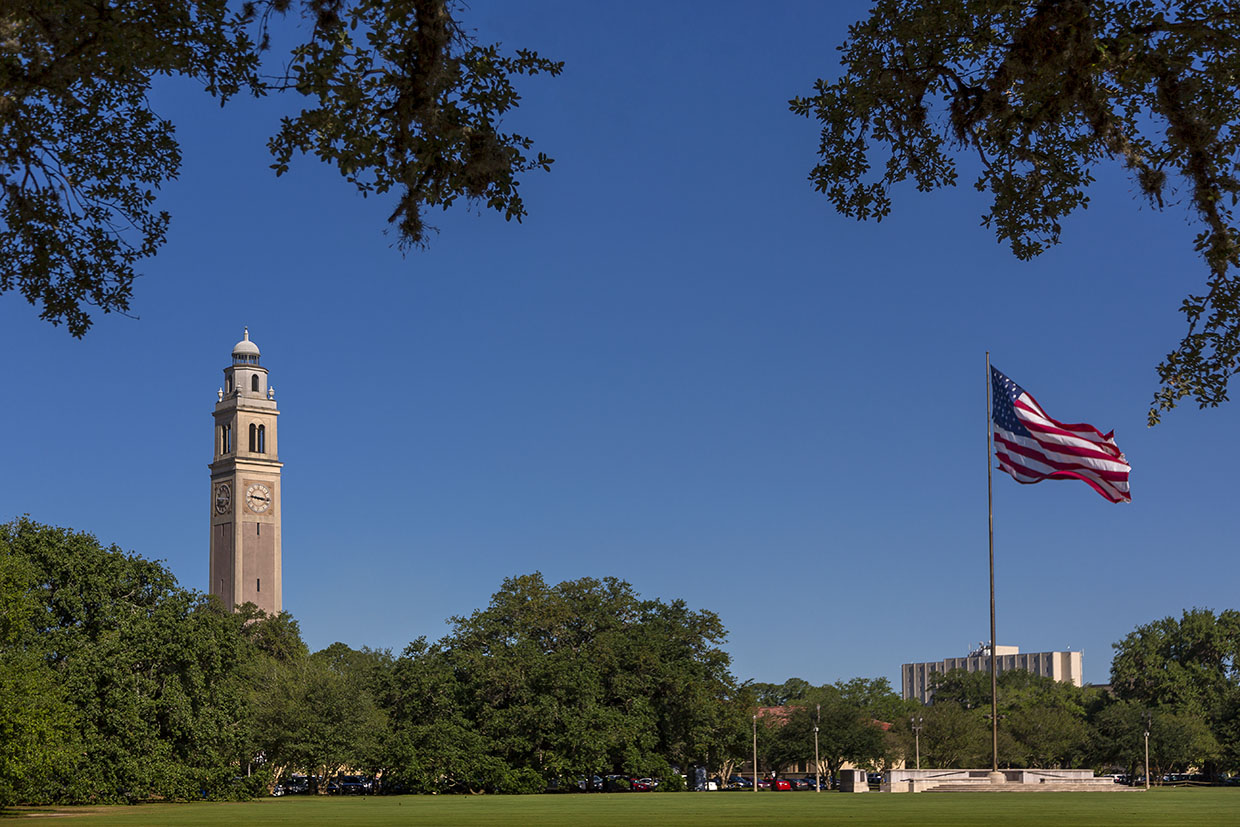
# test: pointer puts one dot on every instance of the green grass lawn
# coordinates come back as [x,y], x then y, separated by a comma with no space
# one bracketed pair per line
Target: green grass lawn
[1176,807]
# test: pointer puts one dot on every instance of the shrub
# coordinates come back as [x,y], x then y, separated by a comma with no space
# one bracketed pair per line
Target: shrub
[673,783]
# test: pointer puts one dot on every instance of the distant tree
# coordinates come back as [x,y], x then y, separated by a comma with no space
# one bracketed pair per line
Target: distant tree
[1190,664]
[571,680]
[1178,742]
[276,636]
[1041,94]
[433,745]
[1047,737]
[773,694]
[397,96]
[319,714]
[875,697]
[953,737]
[1044,723]
[846,714]
[1117,738]
[969,690]
[36,722]
[727,744]
[151,675]
[1227,732]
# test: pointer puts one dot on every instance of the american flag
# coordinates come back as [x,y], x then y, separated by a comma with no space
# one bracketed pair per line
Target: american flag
[1033,447]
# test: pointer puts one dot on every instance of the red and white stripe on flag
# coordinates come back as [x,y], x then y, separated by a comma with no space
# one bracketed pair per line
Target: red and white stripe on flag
[1032,446]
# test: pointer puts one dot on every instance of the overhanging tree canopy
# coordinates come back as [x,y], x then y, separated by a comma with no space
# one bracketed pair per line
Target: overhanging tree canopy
[1042,93]
[397,96]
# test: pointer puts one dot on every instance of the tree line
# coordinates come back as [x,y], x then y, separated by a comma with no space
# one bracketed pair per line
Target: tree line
[119,685]
[1177,679]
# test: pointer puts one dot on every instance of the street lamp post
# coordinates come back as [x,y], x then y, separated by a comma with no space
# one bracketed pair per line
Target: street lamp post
[817,765]
[916,722]
[755,752]
[1147,750]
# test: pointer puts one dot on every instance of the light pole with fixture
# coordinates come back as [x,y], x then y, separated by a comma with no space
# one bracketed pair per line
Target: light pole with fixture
[755,752]
[916,722]
[1148,718]
[817,766]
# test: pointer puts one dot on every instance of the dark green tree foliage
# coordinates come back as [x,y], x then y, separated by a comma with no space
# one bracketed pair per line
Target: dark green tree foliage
[1188,666]
[36,724]
[955,737]
[1227,733]
[397,96]
[1178,742]
[318,714]
[1044,723]
[563,681]
[852,718]
[779,694]
[1041,94]
[136,682]
[846,734]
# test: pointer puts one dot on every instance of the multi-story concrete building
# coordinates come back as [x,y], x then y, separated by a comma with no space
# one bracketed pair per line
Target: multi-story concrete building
[915,678]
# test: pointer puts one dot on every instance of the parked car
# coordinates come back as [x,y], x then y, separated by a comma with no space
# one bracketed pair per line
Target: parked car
[293,785]
[640,785]
[740,782]
[353,785]
[802,783]
[592,784]
[781,784]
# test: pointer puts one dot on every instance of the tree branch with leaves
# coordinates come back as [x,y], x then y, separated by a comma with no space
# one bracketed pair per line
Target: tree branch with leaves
[1044,93]
[402,99]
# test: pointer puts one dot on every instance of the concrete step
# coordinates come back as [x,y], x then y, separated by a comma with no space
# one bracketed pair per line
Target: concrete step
[985,787]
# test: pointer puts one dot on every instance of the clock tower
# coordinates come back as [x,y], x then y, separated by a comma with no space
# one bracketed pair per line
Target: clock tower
[245,486]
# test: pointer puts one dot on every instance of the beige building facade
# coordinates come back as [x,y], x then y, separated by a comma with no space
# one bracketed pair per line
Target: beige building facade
[915,678]
[245,561]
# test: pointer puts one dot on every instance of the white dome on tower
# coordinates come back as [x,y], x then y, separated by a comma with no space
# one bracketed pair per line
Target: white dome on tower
[245,350]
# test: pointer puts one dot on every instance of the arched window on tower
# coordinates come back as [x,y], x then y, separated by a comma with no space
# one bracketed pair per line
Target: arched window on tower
[225,439]
[262,439]
[254,383]
[253,437]
[228,384]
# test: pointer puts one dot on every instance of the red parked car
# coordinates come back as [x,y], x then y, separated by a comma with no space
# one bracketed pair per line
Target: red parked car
[780,784]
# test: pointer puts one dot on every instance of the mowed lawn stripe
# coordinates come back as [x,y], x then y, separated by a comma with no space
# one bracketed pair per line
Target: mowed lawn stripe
[1179,807]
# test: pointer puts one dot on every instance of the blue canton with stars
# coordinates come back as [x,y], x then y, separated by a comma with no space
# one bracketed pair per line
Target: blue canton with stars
[1003,392]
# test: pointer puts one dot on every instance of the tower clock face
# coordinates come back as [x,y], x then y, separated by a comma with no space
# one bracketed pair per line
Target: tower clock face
[258,498]
[223,498]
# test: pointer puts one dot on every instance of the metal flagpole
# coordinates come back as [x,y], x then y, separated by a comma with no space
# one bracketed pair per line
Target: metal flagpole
[990,508]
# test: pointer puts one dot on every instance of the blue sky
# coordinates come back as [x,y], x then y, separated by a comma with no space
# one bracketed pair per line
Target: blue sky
[683,370]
